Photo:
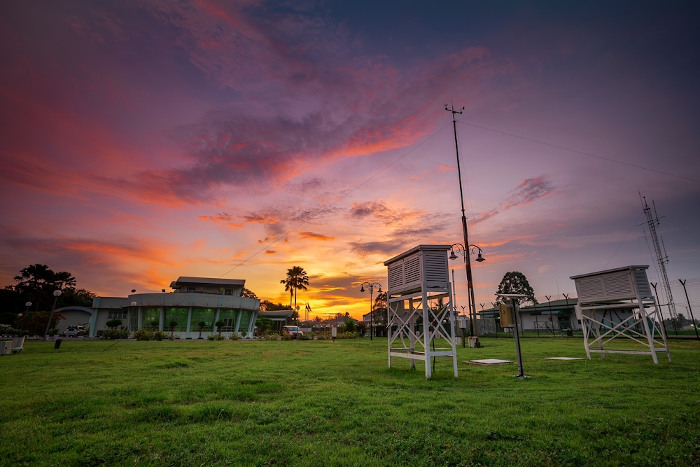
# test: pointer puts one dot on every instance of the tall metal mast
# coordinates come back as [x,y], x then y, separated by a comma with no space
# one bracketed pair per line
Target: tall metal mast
[661,256]
[467,260]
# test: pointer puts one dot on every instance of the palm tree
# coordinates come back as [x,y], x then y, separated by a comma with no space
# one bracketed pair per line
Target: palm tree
[297,279]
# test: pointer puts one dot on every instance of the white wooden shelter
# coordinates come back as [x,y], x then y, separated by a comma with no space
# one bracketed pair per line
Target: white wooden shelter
[618,304]
[419,287]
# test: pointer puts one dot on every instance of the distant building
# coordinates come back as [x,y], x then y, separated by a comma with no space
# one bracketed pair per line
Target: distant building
[554,316]
[194,300]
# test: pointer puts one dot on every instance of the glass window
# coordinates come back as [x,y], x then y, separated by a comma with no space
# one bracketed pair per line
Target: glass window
[177,315]
[205,315]
[245,321]
[151,318]
[229,317]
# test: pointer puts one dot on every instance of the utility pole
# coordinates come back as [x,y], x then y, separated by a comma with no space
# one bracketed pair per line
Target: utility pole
[695,325]
[661,258]
[467,260]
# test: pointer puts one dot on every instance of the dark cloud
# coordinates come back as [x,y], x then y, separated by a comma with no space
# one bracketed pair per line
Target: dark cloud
[529,190]
[525,193]
[387,248]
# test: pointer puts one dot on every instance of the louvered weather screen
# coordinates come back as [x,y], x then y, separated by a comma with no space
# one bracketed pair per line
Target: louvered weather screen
[419,287]
[618,304]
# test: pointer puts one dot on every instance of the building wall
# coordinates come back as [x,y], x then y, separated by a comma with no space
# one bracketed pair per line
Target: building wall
[187,310]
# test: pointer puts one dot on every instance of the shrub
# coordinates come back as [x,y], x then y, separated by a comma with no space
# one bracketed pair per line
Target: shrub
[235,336]
[114,323]
[215,337]
[142,335]
[114,334]
[158,335]
[7,330]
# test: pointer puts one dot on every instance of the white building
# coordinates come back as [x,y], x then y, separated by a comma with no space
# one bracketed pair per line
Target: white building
[195,306]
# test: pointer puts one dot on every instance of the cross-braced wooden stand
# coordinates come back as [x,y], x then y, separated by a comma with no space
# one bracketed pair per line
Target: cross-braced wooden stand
[420,312]
[618,303]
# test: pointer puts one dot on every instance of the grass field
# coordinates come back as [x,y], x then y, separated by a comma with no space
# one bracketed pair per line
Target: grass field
[325,403]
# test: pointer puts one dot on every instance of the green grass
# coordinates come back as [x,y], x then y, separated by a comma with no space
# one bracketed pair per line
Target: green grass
[321,403]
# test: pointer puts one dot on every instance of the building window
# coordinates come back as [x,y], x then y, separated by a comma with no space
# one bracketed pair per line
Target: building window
[151,318]
[116,314]
[245,321]
[203,315]
[229,317]
[177,315]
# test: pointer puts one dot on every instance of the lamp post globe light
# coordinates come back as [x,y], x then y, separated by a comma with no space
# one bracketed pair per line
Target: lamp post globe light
[371,303]
[56,293]
[459,248]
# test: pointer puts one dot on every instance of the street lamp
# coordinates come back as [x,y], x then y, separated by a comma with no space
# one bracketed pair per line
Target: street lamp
[371,303]
[470,283]
[56,294]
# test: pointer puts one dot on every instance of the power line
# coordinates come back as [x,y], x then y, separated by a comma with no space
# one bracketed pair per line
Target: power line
[583,153]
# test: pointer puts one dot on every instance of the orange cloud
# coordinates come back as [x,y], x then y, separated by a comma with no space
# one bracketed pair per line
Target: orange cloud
[315,236]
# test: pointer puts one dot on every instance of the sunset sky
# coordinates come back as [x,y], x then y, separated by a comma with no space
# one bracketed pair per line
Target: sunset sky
[145,140]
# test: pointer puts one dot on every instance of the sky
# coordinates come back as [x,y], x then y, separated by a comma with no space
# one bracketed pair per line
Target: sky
[141,141]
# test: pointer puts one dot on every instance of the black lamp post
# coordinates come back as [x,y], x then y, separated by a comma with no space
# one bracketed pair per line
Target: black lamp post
[371,303]
[470,285]
[514,299]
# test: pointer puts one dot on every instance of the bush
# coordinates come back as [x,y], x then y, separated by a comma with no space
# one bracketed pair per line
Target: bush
[7,330]
[215,337]
[142,335]
[158,335]
[235,336]
[114,334]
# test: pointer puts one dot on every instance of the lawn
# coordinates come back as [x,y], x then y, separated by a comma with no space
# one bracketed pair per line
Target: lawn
[337,403]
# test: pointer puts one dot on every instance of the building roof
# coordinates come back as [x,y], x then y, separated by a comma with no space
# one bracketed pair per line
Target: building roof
[186,280]
[624,268]
[415,249]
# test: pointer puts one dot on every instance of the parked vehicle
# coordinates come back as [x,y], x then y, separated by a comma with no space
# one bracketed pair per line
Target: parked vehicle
[292,331]
[75,331]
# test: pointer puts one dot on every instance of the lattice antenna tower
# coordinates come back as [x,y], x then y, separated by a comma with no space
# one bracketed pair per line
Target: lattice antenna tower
[661,255]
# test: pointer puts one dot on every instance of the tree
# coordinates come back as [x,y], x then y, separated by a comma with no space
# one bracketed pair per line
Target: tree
[219,325]
[37,282]
[248,293]
[297,279]
[263,325]
[114,323]
[515,282]
[379,309]
[267,305]
[201,325]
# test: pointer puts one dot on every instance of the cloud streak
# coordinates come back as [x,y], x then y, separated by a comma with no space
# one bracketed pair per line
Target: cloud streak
[528,191]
